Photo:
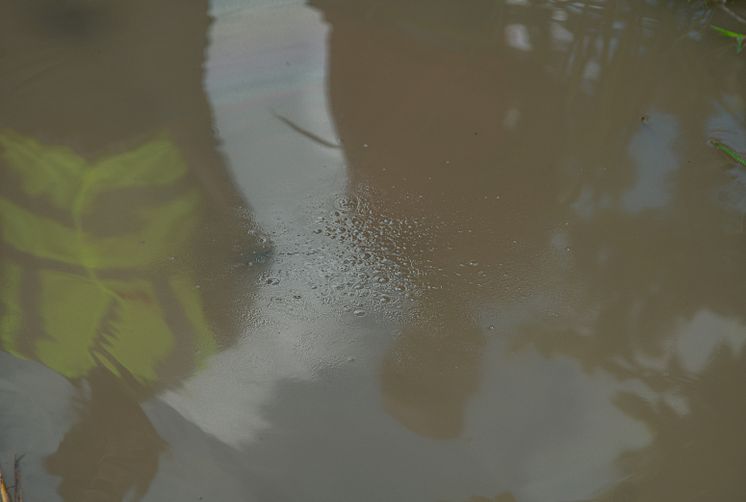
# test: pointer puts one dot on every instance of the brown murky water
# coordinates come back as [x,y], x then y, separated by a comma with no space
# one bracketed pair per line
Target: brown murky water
[370,250]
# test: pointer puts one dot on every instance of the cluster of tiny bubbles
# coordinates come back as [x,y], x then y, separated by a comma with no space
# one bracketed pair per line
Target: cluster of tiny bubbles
[360,259]
[353,257]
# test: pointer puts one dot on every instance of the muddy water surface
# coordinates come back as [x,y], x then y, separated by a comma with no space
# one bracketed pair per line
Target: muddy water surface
[371,250]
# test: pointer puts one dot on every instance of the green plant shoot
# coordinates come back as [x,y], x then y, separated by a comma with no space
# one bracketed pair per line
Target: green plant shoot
[738,37]
[730,152]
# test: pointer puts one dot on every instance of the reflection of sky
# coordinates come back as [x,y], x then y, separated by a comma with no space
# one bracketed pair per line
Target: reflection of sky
[295,403]
[545,429]
[38,409]
[299,397]
[699,338]
[269,58]
[652,150]
[726,124]
[586,203]
[542,428]
[516,36]
[281,49]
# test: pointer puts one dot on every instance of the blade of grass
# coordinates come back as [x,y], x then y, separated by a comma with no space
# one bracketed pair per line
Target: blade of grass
[738,37]
[727,33]
[730,152]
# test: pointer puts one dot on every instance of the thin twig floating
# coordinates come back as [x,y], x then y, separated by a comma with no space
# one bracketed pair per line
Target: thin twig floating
[732,13]
[305,132]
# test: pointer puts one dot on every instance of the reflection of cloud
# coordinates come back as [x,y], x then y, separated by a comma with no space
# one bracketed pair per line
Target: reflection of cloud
[556,428]
[562,36]
[542,428]
[36,413]
[699,338]
[726,121]
[196,466]
[516,35]
[226,398]
[702,442]
[592,71]
[586,203]
[652,150]
[512,116]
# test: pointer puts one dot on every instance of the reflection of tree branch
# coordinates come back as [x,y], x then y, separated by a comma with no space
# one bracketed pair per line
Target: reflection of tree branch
[308,134]
[732,13]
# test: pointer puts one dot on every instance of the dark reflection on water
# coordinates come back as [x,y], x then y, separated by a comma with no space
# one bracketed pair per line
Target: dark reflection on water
[124,243]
